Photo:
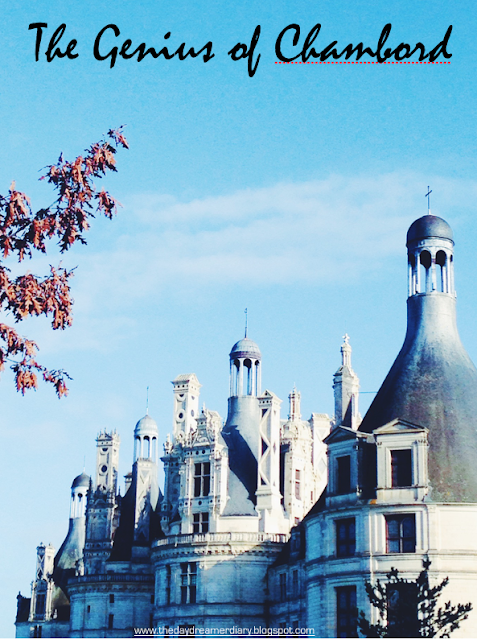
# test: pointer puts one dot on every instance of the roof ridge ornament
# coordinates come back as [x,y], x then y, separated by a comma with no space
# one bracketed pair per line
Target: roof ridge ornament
[346,352]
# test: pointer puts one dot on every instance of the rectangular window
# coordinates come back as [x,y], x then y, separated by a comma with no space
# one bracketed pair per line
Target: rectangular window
[201,479]
[401,468]
[345,537]
[188,582]
[297,484]
[401,534]
[283,587]
[111,598]
[346,612]
[295,541]
[402,616]
[111,621]
[296,591]
[343,468]
[201,522]
[40,608]
[168,584]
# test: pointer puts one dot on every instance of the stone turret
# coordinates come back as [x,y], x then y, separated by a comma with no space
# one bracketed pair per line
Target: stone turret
[433,382]
[241,431]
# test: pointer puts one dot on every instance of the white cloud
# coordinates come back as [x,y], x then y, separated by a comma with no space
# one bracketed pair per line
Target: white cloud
[286,233]
[174,255]
[326,231]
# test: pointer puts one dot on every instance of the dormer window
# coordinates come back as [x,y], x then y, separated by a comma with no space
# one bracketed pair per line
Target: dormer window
[401,468]
[343,469]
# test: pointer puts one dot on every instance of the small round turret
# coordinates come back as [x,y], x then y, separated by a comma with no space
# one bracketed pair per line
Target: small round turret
[79,490]
[145,439]
[245,375]
[430,253]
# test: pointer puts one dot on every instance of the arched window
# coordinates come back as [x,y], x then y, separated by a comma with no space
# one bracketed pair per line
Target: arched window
[147,447]
[235,373]
[425,271]
[441,275]
[411,261]
[247,380]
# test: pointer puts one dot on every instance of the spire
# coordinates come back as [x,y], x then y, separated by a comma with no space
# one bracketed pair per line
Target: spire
[346,389]
[147,401]
[294,398]
[346,352]
[246,322]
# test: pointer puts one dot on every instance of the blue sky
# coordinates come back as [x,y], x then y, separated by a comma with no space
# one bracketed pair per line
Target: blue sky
[289,193]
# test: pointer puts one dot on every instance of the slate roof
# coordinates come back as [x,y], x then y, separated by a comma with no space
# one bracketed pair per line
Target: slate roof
[433,383]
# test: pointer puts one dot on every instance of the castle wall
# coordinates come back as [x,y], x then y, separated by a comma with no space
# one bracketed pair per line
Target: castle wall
[111,605]
[230,578]
[444,535]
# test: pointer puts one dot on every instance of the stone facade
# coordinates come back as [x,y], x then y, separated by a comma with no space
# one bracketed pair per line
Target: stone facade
[271,522]
[198,554]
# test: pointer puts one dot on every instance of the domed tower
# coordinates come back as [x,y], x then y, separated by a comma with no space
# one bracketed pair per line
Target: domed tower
[144,478]
[241,430]
[68,560]
[433,382]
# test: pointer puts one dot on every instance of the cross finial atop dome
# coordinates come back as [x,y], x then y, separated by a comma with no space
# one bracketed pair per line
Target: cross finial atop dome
[428,196]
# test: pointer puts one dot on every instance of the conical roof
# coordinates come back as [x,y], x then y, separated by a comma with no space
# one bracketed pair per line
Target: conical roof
[433,383]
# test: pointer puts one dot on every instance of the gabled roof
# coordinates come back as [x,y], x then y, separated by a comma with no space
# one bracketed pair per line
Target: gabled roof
[187,377]
[340,434]
[399,425]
